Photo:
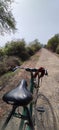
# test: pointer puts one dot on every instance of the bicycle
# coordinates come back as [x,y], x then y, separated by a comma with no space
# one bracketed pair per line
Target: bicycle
[21,96]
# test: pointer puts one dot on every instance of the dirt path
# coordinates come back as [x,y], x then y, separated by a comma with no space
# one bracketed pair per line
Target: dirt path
[50,84]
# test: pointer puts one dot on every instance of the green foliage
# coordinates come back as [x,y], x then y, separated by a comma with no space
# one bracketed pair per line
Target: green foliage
[53,43]
[35,45]
[1,52]
[7,21]
[57,49]
[17,48]
[30,50]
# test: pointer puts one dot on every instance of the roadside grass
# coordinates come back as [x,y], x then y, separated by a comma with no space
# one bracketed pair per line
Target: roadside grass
[4,79]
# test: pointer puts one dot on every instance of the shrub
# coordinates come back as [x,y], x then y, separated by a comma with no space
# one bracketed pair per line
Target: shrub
[11,62]
[1,52]
[57,49]
[17,48]
[53,43]
[8,63]
[2,68]
[30,51]
[33,47]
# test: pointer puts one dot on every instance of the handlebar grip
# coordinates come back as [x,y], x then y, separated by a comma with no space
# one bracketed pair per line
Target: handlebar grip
[31,69]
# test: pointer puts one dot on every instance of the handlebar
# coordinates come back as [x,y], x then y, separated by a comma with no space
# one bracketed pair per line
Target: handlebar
[41,70]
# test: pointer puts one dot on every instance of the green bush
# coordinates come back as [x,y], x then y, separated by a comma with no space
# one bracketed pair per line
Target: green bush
[30,51]
[57,49]
[1,52]
[17,48]
[33,47]
[53,43]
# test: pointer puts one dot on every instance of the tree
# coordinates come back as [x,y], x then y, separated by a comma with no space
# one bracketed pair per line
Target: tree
[7,21]
[53,43]
[1,52]
[35,45]
[17,48]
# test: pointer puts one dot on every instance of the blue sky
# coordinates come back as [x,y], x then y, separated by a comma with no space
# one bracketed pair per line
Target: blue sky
[35,19]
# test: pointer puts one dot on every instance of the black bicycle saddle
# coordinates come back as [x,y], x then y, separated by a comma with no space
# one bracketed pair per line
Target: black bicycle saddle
[20,96]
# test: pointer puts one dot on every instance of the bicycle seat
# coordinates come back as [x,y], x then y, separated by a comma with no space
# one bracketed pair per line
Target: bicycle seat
[20,96]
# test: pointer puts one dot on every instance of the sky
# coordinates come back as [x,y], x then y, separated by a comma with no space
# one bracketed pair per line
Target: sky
[35,19]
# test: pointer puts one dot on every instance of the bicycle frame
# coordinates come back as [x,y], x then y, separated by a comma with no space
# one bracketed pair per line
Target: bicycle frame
[26,113]
[27,110]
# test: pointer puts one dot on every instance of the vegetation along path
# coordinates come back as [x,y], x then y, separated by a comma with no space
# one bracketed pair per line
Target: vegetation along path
[50,84]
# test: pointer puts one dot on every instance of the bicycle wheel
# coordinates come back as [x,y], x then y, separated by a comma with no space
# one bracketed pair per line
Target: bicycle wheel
[44,115]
